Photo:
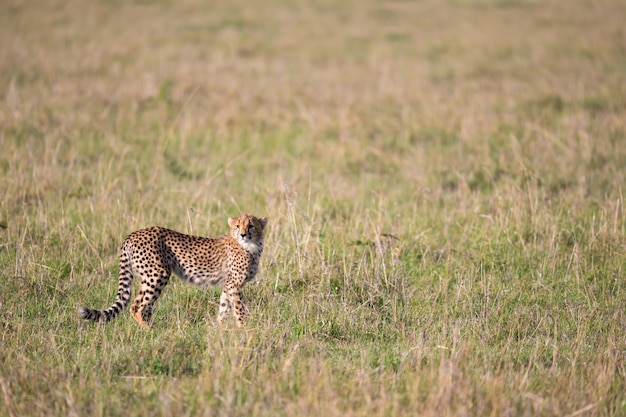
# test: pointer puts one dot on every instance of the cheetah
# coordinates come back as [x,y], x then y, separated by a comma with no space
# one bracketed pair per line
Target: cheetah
[153,254]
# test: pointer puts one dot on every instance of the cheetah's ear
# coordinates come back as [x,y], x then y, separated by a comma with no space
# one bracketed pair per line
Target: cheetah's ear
[231,221]
[263,221]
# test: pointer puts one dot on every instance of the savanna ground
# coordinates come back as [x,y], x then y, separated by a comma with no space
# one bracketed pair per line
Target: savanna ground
[444,182]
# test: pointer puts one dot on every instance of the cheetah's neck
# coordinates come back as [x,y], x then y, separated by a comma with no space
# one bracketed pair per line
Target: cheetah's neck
[252,247]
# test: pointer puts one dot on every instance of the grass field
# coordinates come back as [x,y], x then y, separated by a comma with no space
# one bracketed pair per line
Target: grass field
[444,184]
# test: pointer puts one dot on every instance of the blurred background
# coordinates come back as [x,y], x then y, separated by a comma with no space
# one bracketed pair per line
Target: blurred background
[444,183]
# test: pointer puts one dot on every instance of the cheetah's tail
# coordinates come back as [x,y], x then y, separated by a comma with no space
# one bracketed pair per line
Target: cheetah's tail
[123,295]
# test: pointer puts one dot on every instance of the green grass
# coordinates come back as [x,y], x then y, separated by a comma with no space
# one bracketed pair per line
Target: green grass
[444,183]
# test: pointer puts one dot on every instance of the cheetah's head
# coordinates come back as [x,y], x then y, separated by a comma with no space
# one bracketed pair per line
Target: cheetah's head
[248,231]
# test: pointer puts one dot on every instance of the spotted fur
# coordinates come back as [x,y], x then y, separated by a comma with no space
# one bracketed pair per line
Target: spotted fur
[153,254]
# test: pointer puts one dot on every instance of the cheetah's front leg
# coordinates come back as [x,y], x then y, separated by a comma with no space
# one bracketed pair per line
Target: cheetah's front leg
[238,306]
[230,302]
[225,307]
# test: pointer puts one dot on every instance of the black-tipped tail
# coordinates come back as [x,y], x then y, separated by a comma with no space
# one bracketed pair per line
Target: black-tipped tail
[123,292]
[101,315]
[89,314]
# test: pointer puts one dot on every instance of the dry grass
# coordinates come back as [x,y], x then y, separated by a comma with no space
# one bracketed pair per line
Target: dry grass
[444,182]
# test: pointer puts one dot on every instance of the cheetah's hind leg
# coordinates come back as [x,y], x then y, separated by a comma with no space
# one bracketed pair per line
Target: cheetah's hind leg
[137,311]
[148,295]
